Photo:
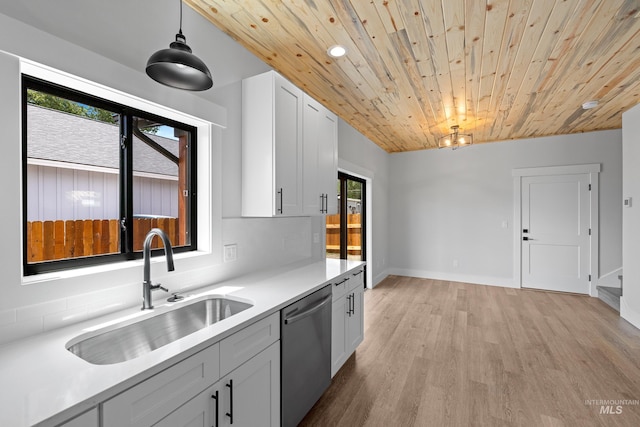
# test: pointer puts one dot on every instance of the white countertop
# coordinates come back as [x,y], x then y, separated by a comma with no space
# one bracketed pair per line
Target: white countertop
[42,382]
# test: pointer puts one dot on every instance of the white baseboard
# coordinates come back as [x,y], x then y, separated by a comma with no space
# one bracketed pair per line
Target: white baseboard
[380,277]
[504,282]
[628,314]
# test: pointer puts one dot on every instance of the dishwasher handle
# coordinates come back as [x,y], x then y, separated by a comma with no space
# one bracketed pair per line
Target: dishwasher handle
[308,312]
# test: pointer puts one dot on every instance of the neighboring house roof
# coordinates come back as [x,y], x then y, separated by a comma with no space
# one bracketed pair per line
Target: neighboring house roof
[57,136]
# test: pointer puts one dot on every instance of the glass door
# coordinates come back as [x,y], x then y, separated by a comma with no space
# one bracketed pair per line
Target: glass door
[346,230]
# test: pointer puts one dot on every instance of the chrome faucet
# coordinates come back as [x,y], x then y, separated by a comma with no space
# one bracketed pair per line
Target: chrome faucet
[147,286]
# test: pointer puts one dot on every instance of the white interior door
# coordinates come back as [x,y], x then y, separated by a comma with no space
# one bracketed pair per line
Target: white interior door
[556,232]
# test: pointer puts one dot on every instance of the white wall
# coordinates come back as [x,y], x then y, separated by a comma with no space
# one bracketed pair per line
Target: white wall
[630,301]
[447,207]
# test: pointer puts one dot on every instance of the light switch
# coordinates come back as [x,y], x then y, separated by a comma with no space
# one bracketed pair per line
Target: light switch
[627,202]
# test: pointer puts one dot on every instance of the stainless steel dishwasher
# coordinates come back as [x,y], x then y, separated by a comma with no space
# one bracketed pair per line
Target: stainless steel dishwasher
[305,339]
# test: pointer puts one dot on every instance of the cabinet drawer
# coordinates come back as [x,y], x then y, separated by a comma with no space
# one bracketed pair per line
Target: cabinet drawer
[246,343]
[356,279]
[153,399]
[339,286]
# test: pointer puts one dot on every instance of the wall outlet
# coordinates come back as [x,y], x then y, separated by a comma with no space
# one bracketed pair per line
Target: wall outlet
[456,264]
[316,237]
[230,252]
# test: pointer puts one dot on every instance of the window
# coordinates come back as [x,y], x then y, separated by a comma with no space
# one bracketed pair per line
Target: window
[97,176]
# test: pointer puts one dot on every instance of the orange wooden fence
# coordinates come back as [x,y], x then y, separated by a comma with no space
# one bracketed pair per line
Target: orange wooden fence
[354,234]
[51,240]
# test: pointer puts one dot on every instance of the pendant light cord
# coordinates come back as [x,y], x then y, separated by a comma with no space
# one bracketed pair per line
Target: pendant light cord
[180,31]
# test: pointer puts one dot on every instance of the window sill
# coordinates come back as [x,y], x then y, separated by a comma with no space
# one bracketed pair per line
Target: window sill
[109,268]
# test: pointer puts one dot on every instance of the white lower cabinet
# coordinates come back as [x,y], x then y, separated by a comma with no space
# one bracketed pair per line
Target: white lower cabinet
[248,396]
[338,331]
[191,392]
[347,328]
[153,399]
[198,412]
[355,320]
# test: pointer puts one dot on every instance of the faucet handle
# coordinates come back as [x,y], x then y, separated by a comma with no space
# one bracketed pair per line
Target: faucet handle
[159,286]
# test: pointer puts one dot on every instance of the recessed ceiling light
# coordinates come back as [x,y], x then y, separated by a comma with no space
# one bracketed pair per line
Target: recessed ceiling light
[589,105]
[337,51]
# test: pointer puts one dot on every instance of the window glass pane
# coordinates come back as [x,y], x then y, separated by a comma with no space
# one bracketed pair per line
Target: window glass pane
[160,182]
[354,220]
[72,179]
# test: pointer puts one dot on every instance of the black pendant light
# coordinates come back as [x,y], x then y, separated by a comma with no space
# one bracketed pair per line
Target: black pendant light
[178,67]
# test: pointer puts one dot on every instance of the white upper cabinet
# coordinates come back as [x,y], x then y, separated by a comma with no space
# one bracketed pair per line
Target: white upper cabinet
[289,150]
[271,146]
[328,161]
[320,158]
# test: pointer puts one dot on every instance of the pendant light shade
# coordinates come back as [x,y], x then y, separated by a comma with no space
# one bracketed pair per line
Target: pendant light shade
[179,68]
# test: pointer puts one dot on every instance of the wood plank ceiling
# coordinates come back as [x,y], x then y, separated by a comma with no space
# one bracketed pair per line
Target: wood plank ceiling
[500,69]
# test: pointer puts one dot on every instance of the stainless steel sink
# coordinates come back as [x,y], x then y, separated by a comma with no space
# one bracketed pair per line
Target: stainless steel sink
[135,339]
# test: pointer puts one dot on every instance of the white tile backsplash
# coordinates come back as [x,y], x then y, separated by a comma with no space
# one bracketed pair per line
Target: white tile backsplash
[40,310]
[7,317]
[21,329]
[65,318]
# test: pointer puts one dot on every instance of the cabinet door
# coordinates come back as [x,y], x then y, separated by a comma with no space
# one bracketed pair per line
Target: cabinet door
[201,411]
[250,395]
[155,398]
[338,338]
[288,147]
[312,196]
[328,160]
[355,321]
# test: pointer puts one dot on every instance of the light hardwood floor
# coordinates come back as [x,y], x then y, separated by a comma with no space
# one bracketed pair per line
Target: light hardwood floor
[454,354]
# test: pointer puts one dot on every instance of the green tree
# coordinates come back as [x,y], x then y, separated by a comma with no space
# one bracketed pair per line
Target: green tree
[61,104]
[354,190]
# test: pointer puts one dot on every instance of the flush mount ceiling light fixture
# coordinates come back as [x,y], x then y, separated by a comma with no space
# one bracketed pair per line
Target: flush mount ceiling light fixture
[589,105]
[455,139]
[179,68]
[336,51]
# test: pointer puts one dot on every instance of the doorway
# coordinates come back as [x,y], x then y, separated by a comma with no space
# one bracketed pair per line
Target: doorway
[346,230]
[557,228]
